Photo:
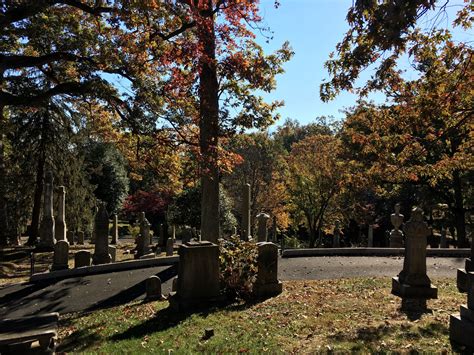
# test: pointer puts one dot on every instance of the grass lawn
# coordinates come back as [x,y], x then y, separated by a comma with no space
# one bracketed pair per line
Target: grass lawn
[309,316]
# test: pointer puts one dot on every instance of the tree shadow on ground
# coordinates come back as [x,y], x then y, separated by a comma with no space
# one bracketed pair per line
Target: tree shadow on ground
[80,339]
[132,293]
[168,317]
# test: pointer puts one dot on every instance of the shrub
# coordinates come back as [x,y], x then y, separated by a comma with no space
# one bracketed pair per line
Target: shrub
[238,267]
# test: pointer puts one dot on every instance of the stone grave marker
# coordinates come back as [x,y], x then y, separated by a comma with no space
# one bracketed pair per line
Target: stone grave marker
[47,221]
[70,237]
[267,284]
[80,237]
[443,241]
[143,239]
[113,253]
[198,276]
[101,231]
[262,232]
[60,228]
[462,279]
[82,258]
[396,235]
[461,326]
[114,229]
[153,289]
[413,284]
[61,253]
[370,237]
[169,247]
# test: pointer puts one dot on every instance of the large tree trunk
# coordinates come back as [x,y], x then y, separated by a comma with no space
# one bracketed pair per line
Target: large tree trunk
[459,211]
[3,200]
[35,218]
[209,130]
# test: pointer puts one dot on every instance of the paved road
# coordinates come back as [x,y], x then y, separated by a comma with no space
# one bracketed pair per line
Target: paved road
[89,293]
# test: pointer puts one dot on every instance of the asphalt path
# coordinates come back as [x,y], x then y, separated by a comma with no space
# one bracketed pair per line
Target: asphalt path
[89,293]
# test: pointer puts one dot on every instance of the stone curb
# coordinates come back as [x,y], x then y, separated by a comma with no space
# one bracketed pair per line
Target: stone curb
[104,268]
[439,252]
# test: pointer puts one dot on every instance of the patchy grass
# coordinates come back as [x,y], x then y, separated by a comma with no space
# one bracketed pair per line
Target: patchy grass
[309,316]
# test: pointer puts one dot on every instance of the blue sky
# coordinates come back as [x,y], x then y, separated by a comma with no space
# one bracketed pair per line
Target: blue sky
[313,28]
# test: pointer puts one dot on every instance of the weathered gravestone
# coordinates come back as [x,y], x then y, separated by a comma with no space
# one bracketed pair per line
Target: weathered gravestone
[245,227]
[396,235]
[114,229]
[169,247]
[370,236]
[82,258]
[47,222]
[80,237]
[153,289]
[198,276]
[267,284]
[113,253]
[413,284]
[461,326]
[462,279]
[161,235]
[60,223]
[70,237]
[60,258]
[336,242]
[443,241]
[262,232]
[143,239]
[101,232]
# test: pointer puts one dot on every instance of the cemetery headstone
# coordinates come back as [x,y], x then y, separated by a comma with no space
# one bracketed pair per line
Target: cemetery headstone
[113,253]
[443,241]
[61,253]
[198,276]
[267,284]
[462,279]
[161,235]
[370,238]
[262,233]
[461,326]
[153,289]
[396,235]
[47,222]
[115,232]
[245,228]
[101,231]
[336,242]
[70,237]
[274,230]
[82,258]
[169,247]
[413,284]
[143,239]
[80,237]
[60,223]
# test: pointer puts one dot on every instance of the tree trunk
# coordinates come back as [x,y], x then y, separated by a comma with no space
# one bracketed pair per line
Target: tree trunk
[35,218]
[3,201]
[459,211]
[209,130]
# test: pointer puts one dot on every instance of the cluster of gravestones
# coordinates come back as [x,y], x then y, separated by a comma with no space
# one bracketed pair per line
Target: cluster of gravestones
[197,282]
[414,286]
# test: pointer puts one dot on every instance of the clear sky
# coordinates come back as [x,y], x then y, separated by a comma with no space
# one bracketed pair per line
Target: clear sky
[313,28]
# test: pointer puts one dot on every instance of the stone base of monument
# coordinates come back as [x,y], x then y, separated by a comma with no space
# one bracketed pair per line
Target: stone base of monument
[267,290]
[198,277]
[56,267]
[461,328]
[101,259]
[413,292]
[462,278]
